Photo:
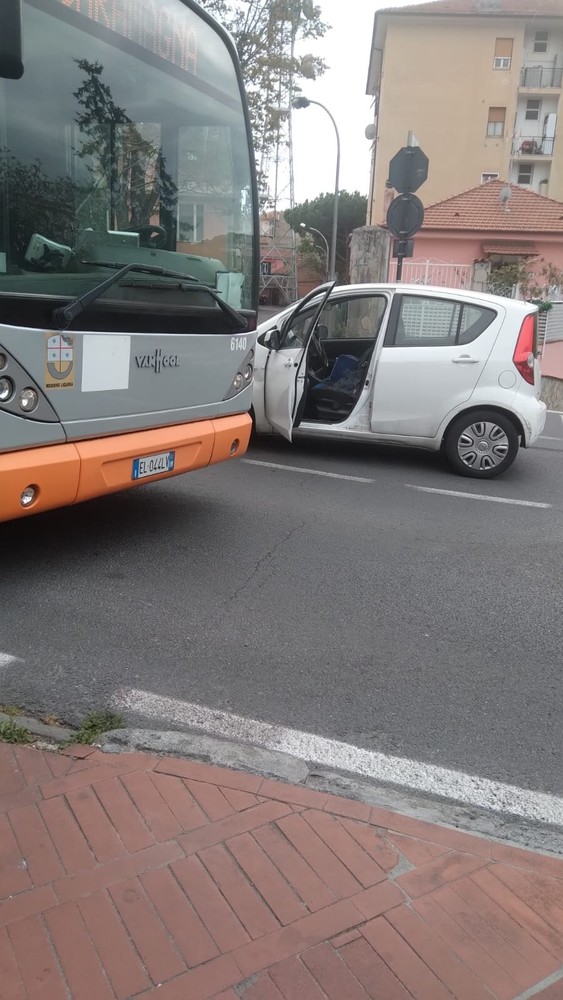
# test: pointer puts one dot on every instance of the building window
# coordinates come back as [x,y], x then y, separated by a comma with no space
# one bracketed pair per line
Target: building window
[495,123]
[533,108]
[489,177]
[525,173]
[503,53]
[541,39]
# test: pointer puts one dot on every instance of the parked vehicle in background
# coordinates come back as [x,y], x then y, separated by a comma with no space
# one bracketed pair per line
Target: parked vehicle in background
[422,367]
[128,248]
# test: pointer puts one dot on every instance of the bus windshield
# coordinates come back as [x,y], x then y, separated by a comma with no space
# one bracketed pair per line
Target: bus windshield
[124,142]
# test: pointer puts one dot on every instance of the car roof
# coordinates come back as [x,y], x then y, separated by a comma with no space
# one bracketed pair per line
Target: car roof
[516,306]
[437,290]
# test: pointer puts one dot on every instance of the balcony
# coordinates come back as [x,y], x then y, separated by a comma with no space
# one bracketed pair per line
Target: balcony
[541,78]
[527,147]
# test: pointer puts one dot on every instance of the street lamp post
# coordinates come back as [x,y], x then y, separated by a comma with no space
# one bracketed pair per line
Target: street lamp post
[311,229]
[304,102]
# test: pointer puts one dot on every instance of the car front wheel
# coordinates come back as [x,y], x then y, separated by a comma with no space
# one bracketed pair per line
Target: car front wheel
[482,444]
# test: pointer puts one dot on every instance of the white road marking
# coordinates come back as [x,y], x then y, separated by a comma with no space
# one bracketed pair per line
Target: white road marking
[416,775]
[308,472]
[6,659]
[478,496]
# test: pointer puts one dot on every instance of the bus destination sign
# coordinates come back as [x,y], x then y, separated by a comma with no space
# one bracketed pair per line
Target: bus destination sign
[163,28]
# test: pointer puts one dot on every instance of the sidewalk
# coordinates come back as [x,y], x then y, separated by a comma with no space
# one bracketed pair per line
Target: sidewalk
[131,875]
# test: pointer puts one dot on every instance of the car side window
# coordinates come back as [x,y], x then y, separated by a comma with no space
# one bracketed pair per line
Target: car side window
[296,335]
[357,318]
[432,322]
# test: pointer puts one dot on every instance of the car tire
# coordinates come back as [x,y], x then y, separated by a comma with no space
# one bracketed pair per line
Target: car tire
[482,444]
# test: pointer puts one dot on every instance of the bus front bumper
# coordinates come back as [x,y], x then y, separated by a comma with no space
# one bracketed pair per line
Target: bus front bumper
[64,474]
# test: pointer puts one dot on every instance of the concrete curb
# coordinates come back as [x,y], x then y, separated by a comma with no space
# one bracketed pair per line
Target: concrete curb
[57,734]
[283,767]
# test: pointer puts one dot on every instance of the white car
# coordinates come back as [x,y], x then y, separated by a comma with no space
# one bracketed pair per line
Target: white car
[409,365]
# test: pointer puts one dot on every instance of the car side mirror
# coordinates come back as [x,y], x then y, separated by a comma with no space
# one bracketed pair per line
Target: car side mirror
[11,62]
[271,339]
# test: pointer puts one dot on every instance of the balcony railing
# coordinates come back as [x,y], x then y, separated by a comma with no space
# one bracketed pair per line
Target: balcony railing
[524,145]
[541,77]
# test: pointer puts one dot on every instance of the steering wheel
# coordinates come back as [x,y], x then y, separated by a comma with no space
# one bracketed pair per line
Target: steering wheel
[319,350]
[154,237]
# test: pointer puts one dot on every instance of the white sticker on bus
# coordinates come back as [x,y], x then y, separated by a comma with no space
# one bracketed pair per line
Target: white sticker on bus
[105,362]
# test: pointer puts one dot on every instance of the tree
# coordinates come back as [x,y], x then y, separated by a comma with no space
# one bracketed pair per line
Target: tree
[352,209]
[38,204]
[120,156]
[535,281]
[265,33]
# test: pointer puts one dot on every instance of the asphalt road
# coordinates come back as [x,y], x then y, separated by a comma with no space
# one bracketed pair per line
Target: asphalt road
[422,624]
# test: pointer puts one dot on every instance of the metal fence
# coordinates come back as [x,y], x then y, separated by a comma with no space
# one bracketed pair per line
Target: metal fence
[434,272]
[541,76]
[554,323]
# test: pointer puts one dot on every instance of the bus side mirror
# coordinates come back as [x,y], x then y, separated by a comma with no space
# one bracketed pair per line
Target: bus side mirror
[11,61]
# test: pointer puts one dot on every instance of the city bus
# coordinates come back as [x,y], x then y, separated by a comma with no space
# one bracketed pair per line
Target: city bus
[128,248]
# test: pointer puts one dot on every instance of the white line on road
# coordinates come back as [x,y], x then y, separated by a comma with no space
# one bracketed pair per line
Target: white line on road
[308,472]
[477,496]
[415,775]
[6,659]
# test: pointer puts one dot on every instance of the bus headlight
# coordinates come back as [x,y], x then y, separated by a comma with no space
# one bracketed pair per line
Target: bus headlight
[3,361]
[28,400]
[248,373]
[238,381]
[7,389]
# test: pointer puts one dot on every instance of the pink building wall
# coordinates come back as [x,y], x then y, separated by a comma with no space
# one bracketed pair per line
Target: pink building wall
[465,248]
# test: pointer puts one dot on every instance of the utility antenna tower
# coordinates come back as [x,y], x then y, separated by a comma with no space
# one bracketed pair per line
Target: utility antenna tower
[278,263]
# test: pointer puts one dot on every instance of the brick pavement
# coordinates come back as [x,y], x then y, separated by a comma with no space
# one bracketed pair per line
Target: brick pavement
[125,876]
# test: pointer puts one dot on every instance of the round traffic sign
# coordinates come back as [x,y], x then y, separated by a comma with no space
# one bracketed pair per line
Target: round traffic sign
[405,216]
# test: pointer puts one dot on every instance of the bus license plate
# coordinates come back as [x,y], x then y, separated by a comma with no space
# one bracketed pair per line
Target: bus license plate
[153,465]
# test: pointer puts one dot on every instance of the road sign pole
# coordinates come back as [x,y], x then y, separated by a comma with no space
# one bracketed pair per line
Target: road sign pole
[400,260]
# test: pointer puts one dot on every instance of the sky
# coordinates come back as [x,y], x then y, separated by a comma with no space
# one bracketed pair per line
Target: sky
[346,48]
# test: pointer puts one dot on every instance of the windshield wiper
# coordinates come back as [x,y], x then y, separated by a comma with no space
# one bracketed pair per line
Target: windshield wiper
[65,314]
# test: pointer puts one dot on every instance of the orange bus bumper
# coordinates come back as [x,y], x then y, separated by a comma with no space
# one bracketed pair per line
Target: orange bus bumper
[65,474]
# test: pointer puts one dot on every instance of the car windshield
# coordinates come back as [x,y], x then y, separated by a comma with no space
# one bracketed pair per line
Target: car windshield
[125,141]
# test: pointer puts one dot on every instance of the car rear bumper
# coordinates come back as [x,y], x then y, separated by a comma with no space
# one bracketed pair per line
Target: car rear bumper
[532,413]
[65,474]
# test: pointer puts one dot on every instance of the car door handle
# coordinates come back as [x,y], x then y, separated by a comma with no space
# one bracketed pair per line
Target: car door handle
[289,363]
[465,359]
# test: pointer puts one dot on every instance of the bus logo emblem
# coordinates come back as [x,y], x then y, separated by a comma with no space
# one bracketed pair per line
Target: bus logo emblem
[157,361]
[60,361]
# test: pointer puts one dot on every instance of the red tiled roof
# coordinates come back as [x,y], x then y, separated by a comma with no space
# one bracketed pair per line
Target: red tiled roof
[483,8]
[482,208]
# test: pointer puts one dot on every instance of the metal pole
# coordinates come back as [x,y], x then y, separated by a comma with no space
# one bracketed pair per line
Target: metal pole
[333,275]
[311,229]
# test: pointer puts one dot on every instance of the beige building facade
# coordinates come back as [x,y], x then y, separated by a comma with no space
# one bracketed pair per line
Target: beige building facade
[479,83]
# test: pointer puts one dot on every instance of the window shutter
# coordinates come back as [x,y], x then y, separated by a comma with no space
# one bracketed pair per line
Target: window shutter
[503,48]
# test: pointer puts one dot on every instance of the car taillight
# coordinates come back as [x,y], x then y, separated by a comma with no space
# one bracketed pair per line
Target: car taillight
[524,353]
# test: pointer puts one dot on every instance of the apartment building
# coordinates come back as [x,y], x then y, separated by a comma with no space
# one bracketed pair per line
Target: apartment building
[479,84]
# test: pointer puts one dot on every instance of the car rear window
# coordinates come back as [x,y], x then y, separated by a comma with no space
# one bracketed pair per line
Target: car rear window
[432,322]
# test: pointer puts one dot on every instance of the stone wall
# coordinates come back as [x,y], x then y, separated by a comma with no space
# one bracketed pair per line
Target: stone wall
[552,392]
[370,250]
